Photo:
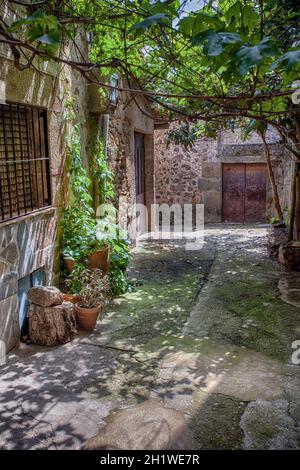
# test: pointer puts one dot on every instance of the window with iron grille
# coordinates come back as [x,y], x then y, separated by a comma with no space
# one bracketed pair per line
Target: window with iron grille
[24,160]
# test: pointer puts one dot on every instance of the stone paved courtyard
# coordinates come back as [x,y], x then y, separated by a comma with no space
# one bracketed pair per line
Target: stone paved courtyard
[207,332]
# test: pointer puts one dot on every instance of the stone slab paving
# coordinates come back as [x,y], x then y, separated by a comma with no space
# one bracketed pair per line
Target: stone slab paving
[204,338]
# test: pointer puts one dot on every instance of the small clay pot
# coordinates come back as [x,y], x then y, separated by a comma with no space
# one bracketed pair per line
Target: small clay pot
[87,317]
[71,298]
[99,260]
[70,263]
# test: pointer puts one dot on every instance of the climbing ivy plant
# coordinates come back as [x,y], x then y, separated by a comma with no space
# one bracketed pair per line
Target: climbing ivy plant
[101,172]
[80,225]
[80,182]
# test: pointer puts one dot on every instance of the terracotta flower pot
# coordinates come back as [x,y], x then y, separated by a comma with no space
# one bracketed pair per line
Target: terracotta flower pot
[99,260]
[71,298]
[87,317]
[70,263]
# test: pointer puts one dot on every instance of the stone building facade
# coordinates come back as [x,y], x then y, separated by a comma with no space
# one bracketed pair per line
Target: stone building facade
[196,176]
[126,122]
[29,240]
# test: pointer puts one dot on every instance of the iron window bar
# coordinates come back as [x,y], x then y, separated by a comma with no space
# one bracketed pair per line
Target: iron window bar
[24,160]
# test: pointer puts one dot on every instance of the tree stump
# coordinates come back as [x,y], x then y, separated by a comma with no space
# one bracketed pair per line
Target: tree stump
[50,326]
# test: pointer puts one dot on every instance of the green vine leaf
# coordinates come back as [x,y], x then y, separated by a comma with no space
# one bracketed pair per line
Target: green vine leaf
[154,20]
[249,56]
[288,61]
[215,43]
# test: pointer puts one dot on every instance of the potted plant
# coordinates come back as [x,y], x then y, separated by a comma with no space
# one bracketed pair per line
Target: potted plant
[94,292]
[98,257]
[98,254]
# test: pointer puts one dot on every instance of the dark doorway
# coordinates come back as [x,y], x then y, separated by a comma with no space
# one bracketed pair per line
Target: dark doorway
[244,192]
[139,162]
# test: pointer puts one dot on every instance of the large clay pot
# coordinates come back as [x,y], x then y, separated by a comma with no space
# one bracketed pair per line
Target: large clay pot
[99,260]
[70,263]
[87,317]
[72,298]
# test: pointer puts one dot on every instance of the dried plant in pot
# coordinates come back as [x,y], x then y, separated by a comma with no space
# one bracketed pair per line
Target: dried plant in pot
[94,294]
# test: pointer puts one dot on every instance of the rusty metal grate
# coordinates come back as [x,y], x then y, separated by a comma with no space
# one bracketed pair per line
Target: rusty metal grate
[24,161]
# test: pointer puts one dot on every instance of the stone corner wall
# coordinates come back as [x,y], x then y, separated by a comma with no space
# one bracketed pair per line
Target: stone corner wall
[127,119]
[29,244]
[26,245]
[194,176]
[188,176]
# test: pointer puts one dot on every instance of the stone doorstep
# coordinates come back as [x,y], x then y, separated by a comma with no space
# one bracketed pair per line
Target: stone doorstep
[294,244]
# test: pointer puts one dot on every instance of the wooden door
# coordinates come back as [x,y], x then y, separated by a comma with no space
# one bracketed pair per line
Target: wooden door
[233,192]
[244,192]
[255,192]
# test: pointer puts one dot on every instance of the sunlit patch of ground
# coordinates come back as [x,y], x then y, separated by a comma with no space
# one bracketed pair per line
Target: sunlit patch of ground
[208,333]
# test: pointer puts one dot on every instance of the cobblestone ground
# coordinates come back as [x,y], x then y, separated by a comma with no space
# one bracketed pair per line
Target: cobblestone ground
[208,333]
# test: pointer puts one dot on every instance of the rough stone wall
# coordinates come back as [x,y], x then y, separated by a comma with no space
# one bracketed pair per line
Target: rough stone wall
[31,241]
[26,245]
[195,176]
[127,119]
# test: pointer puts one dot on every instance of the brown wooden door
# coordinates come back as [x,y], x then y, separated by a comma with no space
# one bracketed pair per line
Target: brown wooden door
[244,192]
[255,192]
[233,192]
[139,163]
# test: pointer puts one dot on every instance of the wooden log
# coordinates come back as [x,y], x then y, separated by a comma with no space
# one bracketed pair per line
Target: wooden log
[50,326]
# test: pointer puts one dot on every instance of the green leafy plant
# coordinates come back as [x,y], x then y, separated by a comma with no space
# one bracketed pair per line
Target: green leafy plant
[79,179]
[102,173]
[79,228]
[119,260]
[184,135]
[73,282]
[41,28]
[273,220]
[82,232]
[109,232]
